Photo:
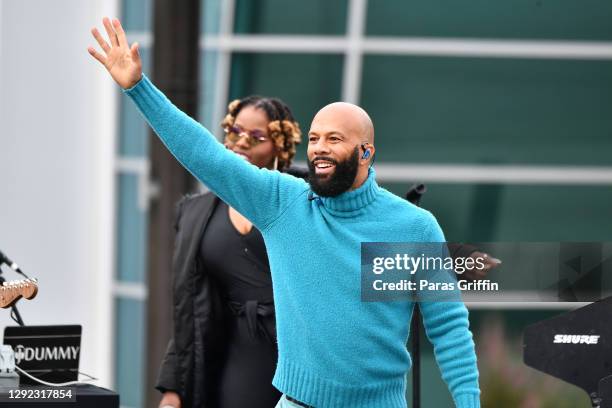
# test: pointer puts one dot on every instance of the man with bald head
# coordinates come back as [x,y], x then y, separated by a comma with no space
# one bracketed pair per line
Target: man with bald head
[339,133]
[334,350]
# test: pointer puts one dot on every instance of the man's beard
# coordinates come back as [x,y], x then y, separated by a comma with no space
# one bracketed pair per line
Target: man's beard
[339,181]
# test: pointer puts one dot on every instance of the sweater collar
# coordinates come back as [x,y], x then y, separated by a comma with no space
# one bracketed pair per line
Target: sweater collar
[354,200]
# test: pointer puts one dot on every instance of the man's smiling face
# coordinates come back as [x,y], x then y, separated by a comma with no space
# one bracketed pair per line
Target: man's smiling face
[336,134]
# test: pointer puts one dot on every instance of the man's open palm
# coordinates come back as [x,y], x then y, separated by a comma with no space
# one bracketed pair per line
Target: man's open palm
[119,59]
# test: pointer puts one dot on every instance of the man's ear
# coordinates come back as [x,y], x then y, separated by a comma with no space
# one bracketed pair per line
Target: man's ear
[368,151]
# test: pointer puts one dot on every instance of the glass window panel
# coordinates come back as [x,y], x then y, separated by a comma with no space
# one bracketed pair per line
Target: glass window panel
[133,140]
[146,56]
[321,17]
[210,16]
[137,15]
[459,110]
[306,82]
[493,212]
[208,85]
[130,346]
[133,130]
[537,19]
[131,231]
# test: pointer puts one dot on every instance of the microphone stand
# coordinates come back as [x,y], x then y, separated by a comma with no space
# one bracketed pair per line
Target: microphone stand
[414,196]
[14,312]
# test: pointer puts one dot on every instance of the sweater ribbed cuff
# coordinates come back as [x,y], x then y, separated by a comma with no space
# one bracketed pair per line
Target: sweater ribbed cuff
[145,95]
[467,401]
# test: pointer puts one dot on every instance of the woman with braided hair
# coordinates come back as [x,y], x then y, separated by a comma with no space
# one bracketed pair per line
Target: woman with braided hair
[223,350]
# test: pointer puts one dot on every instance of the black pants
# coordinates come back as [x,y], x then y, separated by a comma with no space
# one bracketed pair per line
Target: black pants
[245,380]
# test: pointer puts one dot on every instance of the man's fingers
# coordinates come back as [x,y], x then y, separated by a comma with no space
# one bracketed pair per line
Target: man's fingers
[97,55]
[100,40]
[491,259]
[112,35]
[120,33]
[135,53]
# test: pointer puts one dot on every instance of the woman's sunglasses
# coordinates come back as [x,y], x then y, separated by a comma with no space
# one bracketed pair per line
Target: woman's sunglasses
[254,137]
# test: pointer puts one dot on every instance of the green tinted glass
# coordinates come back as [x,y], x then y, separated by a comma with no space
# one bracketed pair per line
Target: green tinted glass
[134,131]
[494,212]
[132,231]
[306,82]
[290,17]
[137,15]
[129,356]
[477,110]
[538,19]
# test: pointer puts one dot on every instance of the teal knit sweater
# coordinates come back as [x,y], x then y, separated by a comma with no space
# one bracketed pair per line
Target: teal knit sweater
[334,349]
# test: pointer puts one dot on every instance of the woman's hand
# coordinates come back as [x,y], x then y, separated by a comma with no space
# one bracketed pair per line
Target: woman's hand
[170,399]
[120,60]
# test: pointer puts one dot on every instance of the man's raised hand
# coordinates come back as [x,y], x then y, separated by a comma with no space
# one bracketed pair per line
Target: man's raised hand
[120,60]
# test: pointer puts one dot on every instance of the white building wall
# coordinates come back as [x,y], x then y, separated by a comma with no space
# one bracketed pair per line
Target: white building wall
[57,143]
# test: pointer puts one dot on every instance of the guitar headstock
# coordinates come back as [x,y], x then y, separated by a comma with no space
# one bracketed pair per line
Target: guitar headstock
[11,291]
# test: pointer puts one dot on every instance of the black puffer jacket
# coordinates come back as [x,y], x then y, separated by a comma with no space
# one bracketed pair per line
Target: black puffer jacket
[197,306]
